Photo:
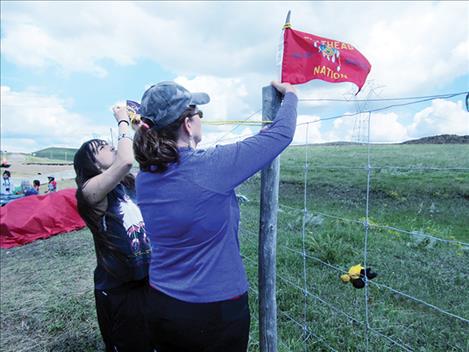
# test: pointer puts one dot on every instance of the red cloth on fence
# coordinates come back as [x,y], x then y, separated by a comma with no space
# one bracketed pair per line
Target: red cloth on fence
[30,218]
[307,57]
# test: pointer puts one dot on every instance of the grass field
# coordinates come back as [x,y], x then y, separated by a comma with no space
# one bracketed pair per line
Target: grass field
[47,301]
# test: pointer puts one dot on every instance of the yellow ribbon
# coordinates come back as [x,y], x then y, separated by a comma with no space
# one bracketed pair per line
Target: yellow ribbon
[135,118]
[235,122]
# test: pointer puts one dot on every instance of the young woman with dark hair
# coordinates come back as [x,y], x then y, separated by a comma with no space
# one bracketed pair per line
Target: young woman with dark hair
[105,199]
[198,294]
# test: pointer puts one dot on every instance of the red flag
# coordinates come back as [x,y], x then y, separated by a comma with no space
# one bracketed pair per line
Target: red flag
[307,57]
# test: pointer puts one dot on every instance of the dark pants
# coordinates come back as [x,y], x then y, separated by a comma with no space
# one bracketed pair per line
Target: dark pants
[121,319]
[177,326]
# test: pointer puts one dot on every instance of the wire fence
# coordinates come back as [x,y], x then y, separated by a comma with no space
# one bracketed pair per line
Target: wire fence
[304,323]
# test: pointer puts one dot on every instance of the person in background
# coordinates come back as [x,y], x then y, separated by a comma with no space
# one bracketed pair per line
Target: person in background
[37,185]
[105,200]
[52,185]
[34,190]
[7,186]
[25,186]
[198,295]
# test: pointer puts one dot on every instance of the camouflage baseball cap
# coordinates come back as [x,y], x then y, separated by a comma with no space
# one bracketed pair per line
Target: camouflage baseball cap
[163,103]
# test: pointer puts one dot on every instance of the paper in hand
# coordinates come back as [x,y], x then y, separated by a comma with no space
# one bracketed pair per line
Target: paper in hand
[133,109]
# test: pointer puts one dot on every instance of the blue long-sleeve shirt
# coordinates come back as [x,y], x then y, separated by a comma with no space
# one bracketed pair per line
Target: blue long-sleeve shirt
[191,212]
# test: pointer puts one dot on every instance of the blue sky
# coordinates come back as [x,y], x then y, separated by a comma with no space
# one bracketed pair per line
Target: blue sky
[64,64]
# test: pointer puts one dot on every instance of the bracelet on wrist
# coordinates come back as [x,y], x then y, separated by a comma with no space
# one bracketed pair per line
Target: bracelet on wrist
[127,122]
[122,136]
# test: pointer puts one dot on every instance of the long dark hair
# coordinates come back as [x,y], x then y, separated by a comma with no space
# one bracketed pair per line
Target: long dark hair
[156,149]
[85,165]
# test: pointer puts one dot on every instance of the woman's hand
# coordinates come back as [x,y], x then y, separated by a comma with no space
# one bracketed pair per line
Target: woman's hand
[120,113]
[283,88]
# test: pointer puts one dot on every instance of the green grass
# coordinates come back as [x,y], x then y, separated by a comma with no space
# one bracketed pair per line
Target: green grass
[47,302]
[423,201]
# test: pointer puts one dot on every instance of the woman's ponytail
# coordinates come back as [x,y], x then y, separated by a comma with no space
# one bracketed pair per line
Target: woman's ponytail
[155,149]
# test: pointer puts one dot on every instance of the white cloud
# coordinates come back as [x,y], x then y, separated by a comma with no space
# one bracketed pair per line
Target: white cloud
[410,45]
[307,133]
[423,45]
[29,45]
[228,49]
[187,38]
[32,121]
[347,128]
[385,128]
[442,117]
[227,96]
[316,95]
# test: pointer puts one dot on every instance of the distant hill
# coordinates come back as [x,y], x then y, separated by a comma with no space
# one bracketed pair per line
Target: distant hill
[55,153]
[441,139]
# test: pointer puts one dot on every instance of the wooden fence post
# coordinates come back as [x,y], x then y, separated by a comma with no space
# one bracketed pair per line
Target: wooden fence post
[268,235]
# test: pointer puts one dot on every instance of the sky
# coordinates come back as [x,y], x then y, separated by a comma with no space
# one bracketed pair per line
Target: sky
[65,64]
